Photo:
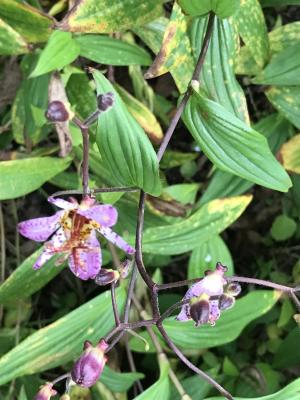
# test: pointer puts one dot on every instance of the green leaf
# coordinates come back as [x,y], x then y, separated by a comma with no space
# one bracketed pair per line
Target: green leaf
[207,255]
[286,355]
[283,228]
[161,388]
[153,33]
[124,147]
[217,76]
[286,99]
[54,56]
[253,30]
[209,220]
[20,177]
[283,69]
[11,43]
[29,22]
[119,382]
[227,328]
[290,392]
[232,145]
[175,54]
[222,8]
[24,281]
[290,154]
[279,3]
[61,341]
[108,16]
[183,192]
[106,50]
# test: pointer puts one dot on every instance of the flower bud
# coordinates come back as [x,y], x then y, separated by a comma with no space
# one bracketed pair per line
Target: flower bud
[88,368]
[233,289]
[57,112]
[106,276]
[200,310]
[226,301]
[125,268]
[105,101]
[45,392]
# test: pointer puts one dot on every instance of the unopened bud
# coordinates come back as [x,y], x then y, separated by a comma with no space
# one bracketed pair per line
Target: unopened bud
[45,392]
[57,112]
[125,268]
[105,101]
[88,368]
[233,289]
[200,311]
[106,276]
[226,301]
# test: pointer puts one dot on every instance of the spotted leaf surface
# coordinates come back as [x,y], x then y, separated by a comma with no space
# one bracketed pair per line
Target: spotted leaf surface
[11,42]
[290,154]
[287,101]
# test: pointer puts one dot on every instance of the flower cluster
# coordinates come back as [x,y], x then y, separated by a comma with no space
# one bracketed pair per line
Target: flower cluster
[208,297]
[73,233]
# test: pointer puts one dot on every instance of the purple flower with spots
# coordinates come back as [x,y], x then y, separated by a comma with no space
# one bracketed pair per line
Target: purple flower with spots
[45,392]
[73,233]
[88,368]
[208,297]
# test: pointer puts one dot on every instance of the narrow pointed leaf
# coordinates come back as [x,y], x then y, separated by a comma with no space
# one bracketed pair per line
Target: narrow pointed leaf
[124,147]
[232,145]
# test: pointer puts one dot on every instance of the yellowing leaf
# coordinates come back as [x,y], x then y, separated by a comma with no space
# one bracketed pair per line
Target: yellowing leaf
[175,53]
[11,43]
[290,153]
[287,100]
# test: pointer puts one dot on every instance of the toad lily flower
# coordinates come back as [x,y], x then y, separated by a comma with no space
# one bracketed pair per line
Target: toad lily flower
[45,392]
[74,234]
[208,297]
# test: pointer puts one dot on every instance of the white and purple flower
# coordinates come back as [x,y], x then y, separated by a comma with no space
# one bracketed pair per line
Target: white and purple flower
[208,297]
[73,233]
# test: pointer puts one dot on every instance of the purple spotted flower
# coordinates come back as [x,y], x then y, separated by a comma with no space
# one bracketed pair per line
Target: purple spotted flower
[45,392]
[208,297]
[88,368]
[73,233]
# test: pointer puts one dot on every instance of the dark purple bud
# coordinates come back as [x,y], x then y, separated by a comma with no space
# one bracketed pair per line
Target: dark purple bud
[105,101]
[45,392]
[106,276]
[57,112]
[200,311]
[233,289]
[226,302]
[221,268]
[88,368]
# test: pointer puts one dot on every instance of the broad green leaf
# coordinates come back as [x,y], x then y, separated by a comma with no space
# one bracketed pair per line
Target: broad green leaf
[222,8]
[24,281]
[119,382]
[209,220]
[142,114]
[286,356]
[124,147]
[232,145]
[283,69]
[207,254]
[108,16]
[61,341]
[286,99]
[253,30]
[153,33]
[19,177]
[29,22]
[217,76]
[183,192]
[11,42]
[161,388]
[290,154]
[227,328]
[54,56]
[175,54]
[283,228]
[290,392]
[106,50]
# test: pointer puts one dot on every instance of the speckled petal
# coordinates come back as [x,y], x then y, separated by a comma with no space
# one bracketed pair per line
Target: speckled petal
[85,262]
[184,314]
[61,203]
[117,240]
[214,311]
[105,215]
[43,258]
[39,229]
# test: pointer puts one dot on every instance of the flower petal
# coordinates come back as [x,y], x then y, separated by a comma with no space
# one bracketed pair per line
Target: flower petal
[184,314]
[39,229]
[85,262]
[43,258]
[61,203]
[103,214]
[117,240]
